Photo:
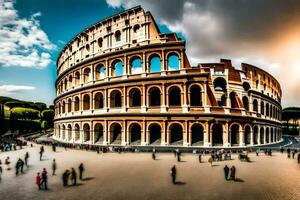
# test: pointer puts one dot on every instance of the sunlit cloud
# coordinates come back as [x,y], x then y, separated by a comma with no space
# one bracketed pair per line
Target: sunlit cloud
[14,89]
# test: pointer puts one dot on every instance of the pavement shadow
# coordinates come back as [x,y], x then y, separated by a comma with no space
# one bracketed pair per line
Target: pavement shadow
[215,165]
[180,183]
[181,161]
[239,180]
[88,178]
[77,184]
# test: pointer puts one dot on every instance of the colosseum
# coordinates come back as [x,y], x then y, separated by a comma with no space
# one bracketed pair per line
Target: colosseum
[123,82]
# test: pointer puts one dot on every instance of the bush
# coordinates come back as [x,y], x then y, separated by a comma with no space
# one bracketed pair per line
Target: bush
[24,113]
[48,115]
[44,125]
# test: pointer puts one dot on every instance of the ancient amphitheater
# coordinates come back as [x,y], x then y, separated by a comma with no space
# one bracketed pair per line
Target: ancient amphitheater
[123,82]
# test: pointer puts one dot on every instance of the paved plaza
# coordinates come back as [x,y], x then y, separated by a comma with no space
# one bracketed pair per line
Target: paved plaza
[137,176]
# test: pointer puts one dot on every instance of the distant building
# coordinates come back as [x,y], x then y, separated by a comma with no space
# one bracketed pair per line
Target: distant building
[291,121]
[123,82]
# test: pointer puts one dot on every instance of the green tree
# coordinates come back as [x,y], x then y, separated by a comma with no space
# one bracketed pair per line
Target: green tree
[44,125]
[48,115]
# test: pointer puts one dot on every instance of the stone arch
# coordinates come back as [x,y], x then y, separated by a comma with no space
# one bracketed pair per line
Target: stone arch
[98,100]
[247,134]
[267,110]
[76,132]
[262,108]
[195,94]
[217,134]
[155,134]
[220,84]
[233,100]
[70,81]
[135,97]
[118,36]
[63,132]
[197,135]
[63,106]
[69,132]
[154,63]
[86,102]
[262,135]
[246,86]
[99,71]
[267,135]
[154,94]
[135,65]
[117,68]
[246,103]
[255,105]
[173,60]
[77,78]
[174,96]
[135,134]
[255,135]
[176,134]
[69,105]
[58,131]
[115,99]
[115,133]
[76,103]
[87,75]
[235,134]
[272,136]
[98,133]
[86,133]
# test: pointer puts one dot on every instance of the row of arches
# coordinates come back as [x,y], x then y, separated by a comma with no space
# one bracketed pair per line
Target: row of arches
[116,99]
[116,68]
[175,135]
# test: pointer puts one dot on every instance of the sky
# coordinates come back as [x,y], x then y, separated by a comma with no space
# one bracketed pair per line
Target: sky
[263,33]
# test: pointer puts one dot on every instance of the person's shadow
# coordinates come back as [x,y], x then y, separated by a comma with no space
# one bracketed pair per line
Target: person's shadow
[180,183]
[88,178]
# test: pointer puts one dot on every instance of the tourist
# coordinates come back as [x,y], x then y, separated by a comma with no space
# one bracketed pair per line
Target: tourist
[38,180]
[173,174]
[54,166]
[153,156]
[298,158]
[73,176]
[41,154]
[281,150]
[293,154]
[7,163]
[232,173]
[17,166]
[257,152]
[44,179]
[210,161]
[26,159]
[21,164]
[65,177]
[200,156]
[288,153]
[226,172]
[81,169]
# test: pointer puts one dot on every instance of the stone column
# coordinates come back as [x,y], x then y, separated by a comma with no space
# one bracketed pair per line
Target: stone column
[124,133]
[144,107]
[226,142]
[105,132]
[242,137]
[164,133]
[185,136]
[125,100]
[143,134]
[163,107]
[206,141]
[185,108]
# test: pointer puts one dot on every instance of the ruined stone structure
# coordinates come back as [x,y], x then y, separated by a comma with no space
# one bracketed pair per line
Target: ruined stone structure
[123,82]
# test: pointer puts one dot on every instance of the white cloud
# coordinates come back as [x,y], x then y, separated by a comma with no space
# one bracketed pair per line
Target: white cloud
[13,89]
[23,42]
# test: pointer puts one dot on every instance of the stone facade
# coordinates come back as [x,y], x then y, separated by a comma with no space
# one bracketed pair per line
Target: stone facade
[122,82]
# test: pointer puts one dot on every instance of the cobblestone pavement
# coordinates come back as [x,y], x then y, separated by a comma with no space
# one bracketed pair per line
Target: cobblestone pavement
[137,176]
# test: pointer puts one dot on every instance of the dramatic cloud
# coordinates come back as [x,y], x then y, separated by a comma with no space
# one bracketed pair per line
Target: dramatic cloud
[13,89]
[264,33]
[23,43]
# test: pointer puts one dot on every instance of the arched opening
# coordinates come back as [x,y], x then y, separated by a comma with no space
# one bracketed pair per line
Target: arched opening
[63,132]
[70,82]
[195,96]
[77,132]
[255,135]
[155,64]
[136,66]
[267,109]
[176,135]
[255,105]
[69,105]
[77,78]
[217,135]
[135,98]
[233,100]
[272,135]
[115,99]
[155,134]
[117,68]
[262,135]
[118,36]
[267,135]
[100,42]
[86,102]
[262,108]
[154,96]
[76,104]
[98,130]
[173,62]
[246,86]
[174,96]
[99,100]
[235,135]
[99,72]
[86,133]
[87,75]
[135,134]
[66,84]
[246,103]
[137,32]
[69,132]
[58,132]
[220,84]
[115,133]
[247,135]
[197,135]
[271,111]
[63,107]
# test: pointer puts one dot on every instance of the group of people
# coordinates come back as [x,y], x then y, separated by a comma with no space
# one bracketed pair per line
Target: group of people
[232,171]
[72,175]
[41,179]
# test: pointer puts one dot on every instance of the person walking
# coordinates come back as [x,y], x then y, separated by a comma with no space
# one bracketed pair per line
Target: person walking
[65,178]
[232,173]
[17,166]
[38,180]
[298,158]
[54,166]
[21,164]
[73,176]
[173,174]
[200,157]
[44,179]
[226,172]
[7,163]
[81,169]
[153,156]
[26,159]
[210,161]
[1,170]
[293,154]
